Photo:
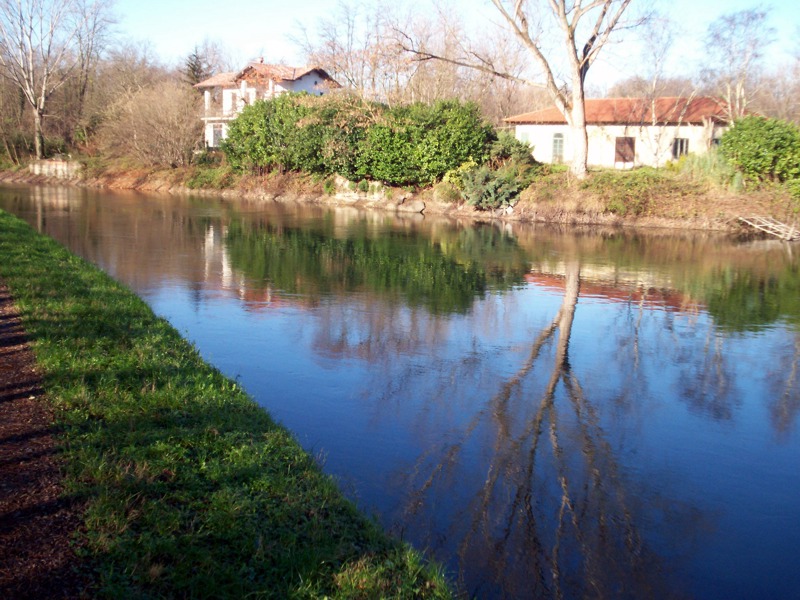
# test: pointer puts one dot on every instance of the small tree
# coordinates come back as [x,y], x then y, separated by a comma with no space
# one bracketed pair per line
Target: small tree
[195,68]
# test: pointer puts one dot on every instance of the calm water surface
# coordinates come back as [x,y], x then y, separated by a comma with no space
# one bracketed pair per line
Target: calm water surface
[550,414]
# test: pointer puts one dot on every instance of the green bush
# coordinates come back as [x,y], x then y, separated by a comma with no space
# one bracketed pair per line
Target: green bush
[487,189]
[345,120]
[403,146]
[418,144]
[510,169]
[508,148]
[269,134]
[763,149]
[455,177]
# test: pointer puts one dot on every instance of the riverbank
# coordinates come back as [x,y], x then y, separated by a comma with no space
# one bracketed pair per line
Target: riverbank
[645,198]
[186,487]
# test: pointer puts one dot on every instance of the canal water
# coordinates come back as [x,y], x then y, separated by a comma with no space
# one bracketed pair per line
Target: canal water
[550,413]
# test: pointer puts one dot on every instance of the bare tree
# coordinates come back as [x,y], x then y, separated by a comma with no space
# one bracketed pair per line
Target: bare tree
[779,96]
[353,46]
[585,28]
[158,125]
[735,45]
[357,46]
[40,48]
[12,122]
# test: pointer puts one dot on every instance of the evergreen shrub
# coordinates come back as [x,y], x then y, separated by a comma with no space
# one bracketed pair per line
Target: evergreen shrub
[763,149]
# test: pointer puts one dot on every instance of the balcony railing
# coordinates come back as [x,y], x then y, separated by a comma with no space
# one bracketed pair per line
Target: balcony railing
[217,114]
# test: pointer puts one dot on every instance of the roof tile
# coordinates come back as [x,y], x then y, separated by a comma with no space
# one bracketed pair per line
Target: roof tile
[634,111]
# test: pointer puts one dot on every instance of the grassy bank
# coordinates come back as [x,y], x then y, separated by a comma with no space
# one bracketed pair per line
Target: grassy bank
[191,490]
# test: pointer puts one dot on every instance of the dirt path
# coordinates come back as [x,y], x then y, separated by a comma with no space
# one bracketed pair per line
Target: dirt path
[37,525]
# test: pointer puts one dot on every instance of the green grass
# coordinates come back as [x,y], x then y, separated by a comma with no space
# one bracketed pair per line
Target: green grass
[214,178]
[637,192]
[191,489]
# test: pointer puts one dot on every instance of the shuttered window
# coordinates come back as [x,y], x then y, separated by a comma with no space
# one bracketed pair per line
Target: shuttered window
[625,150]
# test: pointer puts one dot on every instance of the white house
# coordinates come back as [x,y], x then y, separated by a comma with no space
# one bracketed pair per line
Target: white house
[226,94]
[627,132]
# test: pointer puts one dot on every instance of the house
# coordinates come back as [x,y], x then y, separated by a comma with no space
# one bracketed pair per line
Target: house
[627,132]
[226,94]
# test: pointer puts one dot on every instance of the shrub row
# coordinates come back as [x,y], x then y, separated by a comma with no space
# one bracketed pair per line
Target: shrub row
[339,134]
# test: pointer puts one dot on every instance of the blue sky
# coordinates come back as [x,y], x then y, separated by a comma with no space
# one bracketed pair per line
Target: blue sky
[250,28]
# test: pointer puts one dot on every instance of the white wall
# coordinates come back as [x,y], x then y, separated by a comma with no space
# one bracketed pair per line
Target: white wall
[653,144]
[310,83]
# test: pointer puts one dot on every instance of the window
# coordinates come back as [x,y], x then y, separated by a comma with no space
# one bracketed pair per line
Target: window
[558,147]
[625,151]
[216,135]
[680,146]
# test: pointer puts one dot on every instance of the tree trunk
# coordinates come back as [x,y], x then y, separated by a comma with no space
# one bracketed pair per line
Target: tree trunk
[38,135]
[580,139]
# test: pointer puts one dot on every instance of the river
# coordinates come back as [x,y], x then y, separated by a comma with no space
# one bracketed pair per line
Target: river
[549,413]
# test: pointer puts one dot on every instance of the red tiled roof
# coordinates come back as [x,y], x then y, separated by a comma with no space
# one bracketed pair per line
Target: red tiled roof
[218,80]
[277,73]
[264,72]
[634,111]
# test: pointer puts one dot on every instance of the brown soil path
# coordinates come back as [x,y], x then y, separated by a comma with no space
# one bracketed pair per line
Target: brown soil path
[37,524]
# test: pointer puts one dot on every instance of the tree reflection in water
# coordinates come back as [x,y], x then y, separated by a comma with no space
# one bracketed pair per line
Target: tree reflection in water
[785,405]
[552,518]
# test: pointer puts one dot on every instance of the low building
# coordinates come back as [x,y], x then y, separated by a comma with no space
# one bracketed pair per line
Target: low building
[627,132]
[226,94]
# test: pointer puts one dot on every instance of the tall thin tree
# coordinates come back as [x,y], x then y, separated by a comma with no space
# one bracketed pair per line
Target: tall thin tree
[735,43]
[41,43]
[585,27]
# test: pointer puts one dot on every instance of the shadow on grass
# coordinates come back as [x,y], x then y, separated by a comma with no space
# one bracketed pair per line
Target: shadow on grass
[191,489]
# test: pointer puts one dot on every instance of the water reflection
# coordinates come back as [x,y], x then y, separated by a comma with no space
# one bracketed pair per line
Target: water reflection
[446,275]
[545,513]
[554,414]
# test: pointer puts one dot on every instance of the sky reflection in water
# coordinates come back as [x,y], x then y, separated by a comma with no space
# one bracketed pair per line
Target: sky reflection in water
[552,414]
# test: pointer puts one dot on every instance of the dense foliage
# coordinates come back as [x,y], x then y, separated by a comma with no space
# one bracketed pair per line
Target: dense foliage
[418,144]
[406,145]
[763,149]
[269,135]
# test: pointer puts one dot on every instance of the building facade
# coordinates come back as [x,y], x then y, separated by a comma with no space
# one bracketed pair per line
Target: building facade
[226,94]
[627,132]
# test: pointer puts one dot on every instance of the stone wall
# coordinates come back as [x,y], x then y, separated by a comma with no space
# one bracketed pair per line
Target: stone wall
[60,169]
